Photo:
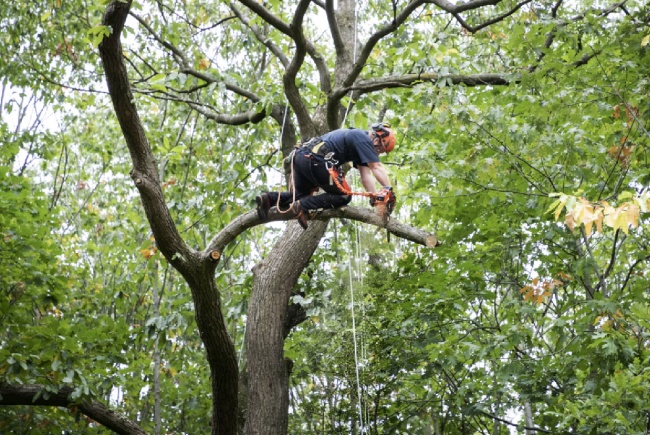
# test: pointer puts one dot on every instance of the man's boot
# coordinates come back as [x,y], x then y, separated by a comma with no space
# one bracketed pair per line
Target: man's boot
[263,202]
[301,215]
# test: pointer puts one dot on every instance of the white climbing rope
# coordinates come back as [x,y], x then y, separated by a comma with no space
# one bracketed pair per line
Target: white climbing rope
[354,339]
[354,327]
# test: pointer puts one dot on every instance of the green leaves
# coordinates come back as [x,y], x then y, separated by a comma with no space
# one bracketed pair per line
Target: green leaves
[98,33]
[513,308]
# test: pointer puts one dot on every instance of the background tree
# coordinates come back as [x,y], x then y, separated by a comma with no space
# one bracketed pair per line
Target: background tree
[469,338]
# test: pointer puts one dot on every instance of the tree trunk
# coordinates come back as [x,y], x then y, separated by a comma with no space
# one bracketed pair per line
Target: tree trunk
[268,372]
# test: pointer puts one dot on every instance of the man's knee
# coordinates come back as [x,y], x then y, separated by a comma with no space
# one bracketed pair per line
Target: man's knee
[347,199]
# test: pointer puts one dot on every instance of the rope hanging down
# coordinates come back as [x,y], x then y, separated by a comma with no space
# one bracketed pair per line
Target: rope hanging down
[354,329]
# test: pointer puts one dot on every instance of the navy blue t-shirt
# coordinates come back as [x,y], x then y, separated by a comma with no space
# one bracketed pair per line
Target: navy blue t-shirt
[351,145]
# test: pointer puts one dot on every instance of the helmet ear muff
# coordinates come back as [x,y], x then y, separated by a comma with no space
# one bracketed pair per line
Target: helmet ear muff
[385,134]
[381,129]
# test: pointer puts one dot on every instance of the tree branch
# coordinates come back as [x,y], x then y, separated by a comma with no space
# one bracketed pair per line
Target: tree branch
[457,9]
[267,16]
[175,51]
[260,37]
[631,270]
[237,119]
[250,219]
[305,122]
[185,64]
[551,35]
[144,172]
[280,25]
[490,21]
[410,80]
[518,426]
[198,272]
[36,395]
[339,46]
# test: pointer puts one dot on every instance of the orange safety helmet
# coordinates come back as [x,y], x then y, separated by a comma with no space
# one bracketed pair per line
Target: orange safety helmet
[385,134]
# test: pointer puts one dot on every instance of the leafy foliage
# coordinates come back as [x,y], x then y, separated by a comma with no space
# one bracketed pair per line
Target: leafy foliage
[515,310]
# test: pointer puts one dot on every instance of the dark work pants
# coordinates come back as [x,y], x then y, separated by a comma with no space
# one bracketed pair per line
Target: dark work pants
[309,174]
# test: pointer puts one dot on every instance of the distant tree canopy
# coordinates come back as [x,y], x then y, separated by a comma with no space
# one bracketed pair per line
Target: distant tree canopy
[140,292]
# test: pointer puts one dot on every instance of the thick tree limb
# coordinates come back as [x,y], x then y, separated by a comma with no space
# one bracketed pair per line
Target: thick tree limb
[198,274]
[145,172]
[35,395]
[340,91]
[319,61]
[291,90]
[410,80]
[250,219]
[339,45]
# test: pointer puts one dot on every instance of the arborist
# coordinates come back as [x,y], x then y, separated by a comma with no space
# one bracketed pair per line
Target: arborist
[318,163]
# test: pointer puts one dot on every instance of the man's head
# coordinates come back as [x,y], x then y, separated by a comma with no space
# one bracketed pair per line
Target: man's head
[382,137]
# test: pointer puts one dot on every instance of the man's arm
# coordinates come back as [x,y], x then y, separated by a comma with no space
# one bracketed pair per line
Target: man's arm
[374,171]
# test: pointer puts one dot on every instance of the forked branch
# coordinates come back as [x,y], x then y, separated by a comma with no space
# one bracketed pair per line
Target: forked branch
[248,220]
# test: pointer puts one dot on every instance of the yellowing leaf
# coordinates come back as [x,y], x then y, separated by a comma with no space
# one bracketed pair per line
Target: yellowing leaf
[620,221]
[633,212]
[610,215]
[563,200]
[204,64]
[645,40]
[148,252]
[553,206]
[528,293]
[570,221]
[589,227]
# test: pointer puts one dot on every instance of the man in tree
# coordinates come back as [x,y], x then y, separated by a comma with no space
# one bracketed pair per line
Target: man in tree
[318,164]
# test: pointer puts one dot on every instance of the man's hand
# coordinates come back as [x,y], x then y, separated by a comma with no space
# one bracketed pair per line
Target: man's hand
[384,198]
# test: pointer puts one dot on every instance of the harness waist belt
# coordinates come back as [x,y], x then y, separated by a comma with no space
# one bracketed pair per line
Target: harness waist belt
[317,146]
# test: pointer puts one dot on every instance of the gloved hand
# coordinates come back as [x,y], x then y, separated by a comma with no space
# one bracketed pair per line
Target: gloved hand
[390,200]
[386,198]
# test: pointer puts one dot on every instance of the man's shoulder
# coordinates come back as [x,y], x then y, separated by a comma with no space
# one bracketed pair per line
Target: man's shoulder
[358,134]
[349,135]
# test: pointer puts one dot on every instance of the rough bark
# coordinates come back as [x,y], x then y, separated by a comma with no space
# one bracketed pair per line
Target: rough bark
[35,395]
[268,374]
